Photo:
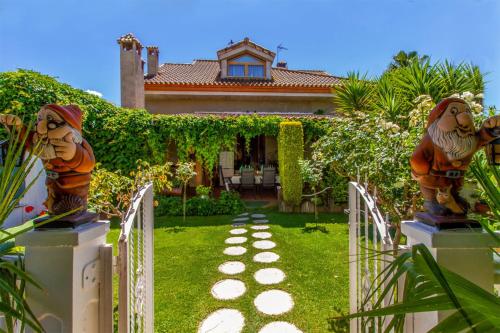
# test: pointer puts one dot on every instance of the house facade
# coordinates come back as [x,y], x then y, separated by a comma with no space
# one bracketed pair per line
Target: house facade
[240,80]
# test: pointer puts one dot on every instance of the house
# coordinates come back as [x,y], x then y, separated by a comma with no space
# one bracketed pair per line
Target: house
[240,80]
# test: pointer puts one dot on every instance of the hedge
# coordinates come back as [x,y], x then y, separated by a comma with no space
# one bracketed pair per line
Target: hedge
[121,136]
[229,203]
[290,151]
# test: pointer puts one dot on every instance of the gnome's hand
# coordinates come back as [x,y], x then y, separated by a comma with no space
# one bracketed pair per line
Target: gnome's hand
[10,120]
[492,122]
[65,148]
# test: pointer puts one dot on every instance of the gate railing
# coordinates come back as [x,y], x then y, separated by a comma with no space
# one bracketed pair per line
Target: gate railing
[368,235]
[135,266]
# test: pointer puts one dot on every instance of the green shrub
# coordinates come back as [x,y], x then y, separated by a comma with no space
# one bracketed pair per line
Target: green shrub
[229,203]
[197,206]
[111,193]
[168,206]
[290,151]
[203,191]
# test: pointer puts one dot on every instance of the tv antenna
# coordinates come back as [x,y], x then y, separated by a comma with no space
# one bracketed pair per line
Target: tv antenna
[278,50]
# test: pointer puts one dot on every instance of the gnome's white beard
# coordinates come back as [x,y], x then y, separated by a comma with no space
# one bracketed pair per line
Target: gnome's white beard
[47,150]
[453,145]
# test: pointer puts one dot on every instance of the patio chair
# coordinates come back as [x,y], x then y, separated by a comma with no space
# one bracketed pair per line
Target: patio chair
[269,178]
[225,175]
[248,180]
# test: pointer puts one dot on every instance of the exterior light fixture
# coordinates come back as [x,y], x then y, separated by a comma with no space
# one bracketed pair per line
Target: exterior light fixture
[493,152]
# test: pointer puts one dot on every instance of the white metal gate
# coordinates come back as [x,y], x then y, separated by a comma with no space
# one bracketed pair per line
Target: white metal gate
[368,234]
[135,266]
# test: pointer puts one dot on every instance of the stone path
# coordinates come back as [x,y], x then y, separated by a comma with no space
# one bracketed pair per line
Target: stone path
[272,302]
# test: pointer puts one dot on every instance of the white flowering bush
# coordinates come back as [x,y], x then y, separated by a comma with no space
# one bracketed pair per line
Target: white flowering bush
[375,139]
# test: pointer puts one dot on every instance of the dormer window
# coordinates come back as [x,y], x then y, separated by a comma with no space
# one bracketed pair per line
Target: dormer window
[246,66]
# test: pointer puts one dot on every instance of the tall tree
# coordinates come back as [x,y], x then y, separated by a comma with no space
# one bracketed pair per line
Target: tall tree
[405,59]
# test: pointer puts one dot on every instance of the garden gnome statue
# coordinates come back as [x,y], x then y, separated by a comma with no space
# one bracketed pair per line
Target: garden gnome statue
[67,158]
[442,157]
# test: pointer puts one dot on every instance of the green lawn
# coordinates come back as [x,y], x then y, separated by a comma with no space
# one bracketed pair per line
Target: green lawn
[187,256]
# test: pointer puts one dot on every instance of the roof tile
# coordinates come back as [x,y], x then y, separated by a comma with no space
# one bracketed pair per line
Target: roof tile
[207,72]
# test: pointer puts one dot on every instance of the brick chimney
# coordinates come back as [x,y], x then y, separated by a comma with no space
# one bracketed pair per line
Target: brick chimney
[131,72]
[153,53]
[282,64]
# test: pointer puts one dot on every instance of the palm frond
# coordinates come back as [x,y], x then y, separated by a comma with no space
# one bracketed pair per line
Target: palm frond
[354,94]
[488,177]
[419,79]
[429,287]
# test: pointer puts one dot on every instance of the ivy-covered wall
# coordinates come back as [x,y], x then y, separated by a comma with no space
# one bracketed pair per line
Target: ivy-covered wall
[290,151]
[121,136]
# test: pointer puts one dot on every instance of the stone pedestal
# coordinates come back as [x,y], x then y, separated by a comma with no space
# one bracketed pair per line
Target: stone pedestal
[464,251]
[66,263]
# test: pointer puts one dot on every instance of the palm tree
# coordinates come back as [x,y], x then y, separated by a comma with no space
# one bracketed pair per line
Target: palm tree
[404,59]
[417,79]
[354,94]
[388,102]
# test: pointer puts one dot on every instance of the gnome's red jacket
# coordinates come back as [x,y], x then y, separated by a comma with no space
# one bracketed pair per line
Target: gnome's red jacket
[74,175]
[429,163]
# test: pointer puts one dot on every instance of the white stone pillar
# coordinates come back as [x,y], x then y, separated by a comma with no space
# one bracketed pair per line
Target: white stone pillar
[466,252]
[67,264]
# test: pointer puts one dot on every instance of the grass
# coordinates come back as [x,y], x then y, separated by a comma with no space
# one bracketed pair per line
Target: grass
[187,255]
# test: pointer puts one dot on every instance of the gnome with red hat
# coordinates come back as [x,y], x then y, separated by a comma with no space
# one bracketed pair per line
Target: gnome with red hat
[446,150]
[67,157]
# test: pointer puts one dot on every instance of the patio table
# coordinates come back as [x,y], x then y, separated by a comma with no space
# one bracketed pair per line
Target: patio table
[258,179]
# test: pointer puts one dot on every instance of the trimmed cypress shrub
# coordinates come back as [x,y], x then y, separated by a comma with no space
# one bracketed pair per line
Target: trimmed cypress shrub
[290,151]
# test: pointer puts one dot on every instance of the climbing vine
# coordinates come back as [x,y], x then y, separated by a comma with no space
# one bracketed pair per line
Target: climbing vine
[206,136]
[121,136]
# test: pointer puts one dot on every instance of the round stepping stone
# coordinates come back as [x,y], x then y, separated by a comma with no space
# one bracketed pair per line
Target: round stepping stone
[259,227]
[258,216]
[264,244]
[269,276]
[232,267]
[236,240]
[238,231]
[228,289]
[243,214]
[223,320]
[241,219]
[260,221]
[279,327]
[261,235]
[235,250]
[273,302]
[238,224]
[266,257]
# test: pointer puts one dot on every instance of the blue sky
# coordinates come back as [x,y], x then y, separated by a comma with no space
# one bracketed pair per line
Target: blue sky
[76,40]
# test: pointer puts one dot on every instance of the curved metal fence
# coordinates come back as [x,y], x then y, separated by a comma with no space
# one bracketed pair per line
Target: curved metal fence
[135,265]
[369,240]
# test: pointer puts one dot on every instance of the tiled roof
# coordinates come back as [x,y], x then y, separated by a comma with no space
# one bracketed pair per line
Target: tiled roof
[207,72]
